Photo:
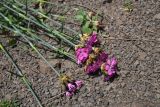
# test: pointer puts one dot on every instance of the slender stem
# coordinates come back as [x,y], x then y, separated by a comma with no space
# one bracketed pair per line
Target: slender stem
[33,93]
[42,14]
[70,56]
[44,26]
[21,74]
[41,55]
[12,73]
[30,43]
[11,59]
[35,38]
[46,43]
[55,22]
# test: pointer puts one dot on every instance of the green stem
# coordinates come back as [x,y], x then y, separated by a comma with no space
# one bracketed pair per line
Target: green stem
[40,13]
[44,26]
[46,43]
[30,43]
[35,38]
[33,47]
[21,74]
[11,59]
[30,88]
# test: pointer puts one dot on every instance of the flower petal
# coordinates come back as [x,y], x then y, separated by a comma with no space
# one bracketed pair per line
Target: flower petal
[109,61]
[71,87]
[110,72]
[103,56]
[93,40]
[79,84]
[82,55]
[92,68]
[113,61]
[68,94]
[111,66]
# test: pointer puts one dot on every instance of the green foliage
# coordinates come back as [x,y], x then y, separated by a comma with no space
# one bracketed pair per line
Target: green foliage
[86,27]
[87,22]
[6,103]
[81,16]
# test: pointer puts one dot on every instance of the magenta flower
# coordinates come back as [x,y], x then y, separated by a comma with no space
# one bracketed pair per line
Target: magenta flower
[92,68]
[111,68]
[71,87]
[103,56]
[69,94]
[79,84]
[82,55]
[92,40]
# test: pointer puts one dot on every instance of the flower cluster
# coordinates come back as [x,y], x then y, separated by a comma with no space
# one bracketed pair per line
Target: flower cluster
[109,68]
[71,86]
[94,58]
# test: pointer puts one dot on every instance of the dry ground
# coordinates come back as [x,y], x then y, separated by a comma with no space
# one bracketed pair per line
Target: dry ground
[136,44]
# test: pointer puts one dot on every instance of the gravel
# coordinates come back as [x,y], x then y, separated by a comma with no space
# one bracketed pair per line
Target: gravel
[138,81]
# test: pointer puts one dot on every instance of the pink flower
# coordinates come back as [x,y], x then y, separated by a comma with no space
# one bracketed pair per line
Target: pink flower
[93,40]
[69,94]
[71,87]
[79,84]
[92,68]
[103,56]
[110,68]
[82,54]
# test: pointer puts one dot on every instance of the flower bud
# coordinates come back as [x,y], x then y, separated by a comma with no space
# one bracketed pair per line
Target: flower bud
[71,87]
[79,84]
